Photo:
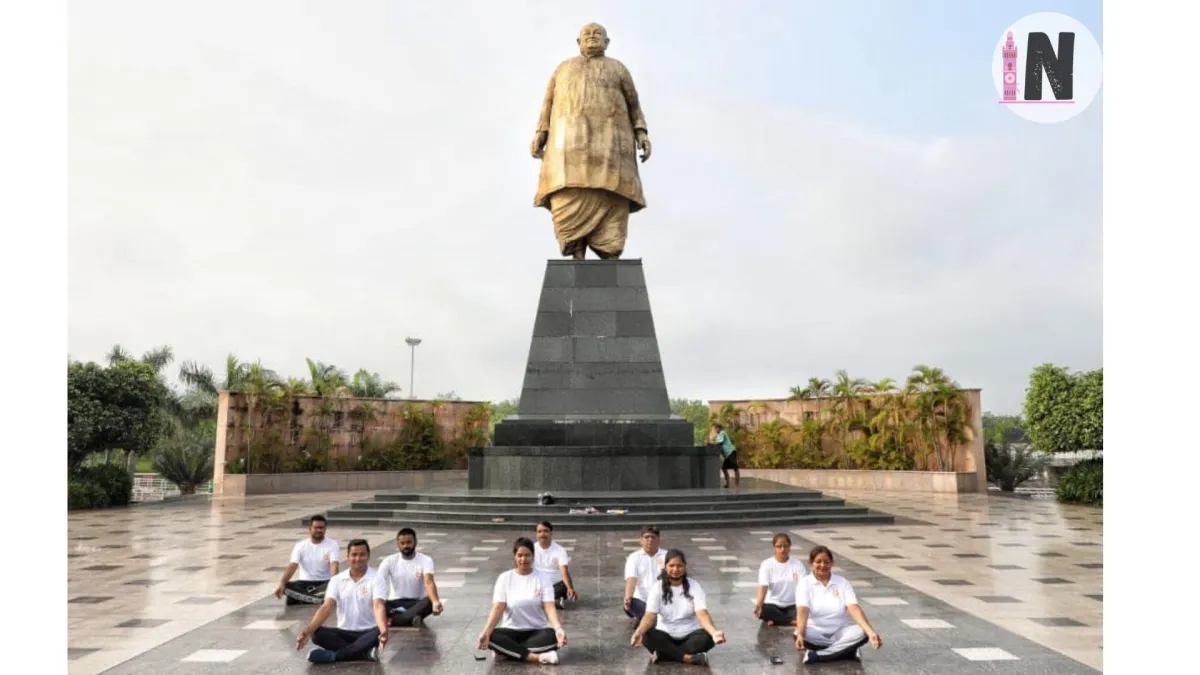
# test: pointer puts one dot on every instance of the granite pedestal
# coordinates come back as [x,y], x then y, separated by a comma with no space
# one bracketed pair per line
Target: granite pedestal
[594,411]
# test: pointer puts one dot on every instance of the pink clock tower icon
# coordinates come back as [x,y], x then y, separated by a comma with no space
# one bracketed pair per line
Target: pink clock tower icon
[1010,69]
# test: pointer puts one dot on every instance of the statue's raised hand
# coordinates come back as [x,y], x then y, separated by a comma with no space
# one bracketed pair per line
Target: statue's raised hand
[538,147]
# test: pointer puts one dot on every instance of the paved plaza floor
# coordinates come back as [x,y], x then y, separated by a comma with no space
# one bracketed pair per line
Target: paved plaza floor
[978,584]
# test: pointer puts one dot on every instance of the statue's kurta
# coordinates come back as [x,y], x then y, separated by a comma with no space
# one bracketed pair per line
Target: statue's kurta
[591,112]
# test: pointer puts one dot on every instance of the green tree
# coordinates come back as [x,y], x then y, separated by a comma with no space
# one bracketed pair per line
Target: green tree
[1065,411]
[371,385]
[1012,428]
[696,412]
[114,408]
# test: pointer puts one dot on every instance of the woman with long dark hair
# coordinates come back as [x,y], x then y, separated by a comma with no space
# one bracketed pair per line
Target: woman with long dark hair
[677,626]
[523,606]
[778,578]
[830,625]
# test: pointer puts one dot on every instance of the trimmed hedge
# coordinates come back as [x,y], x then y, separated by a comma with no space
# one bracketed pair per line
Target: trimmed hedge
[1083,483]
[95,487]
[81,495]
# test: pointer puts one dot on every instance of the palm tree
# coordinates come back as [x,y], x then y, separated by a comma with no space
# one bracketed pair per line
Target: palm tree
[941,412]
[327,379]
[371,385]
[816,388]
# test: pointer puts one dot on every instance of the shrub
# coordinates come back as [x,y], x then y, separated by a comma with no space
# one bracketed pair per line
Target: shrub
[85,495]
[186,457]
[1007,468]
[111,479]
[1083,483]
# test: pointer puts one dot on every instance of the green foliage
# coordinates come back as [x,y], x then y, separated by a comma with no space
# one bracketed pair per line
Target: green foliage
[419,441]
[1083,483]
[500,411]
[314,452]
[119,407]
[112,479]
[186,456]
[85,495]
[1011,427]
[1065,411]
[1009,466]
[695,412]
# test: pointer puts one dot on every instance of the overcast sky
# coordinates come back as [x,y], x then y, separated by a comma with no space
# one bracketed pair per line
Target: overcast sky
[833,186]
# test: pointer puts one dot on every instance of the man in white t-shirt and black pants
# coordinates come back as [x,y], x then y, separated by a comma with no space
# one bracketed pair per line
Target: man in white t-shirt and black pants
[316,559]
[642,570]
[362,626]
[408,579]
[551,559]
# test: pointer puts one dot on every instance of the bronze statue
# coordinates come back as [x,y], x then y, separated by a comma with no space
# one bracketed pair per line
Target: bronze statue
[588,134]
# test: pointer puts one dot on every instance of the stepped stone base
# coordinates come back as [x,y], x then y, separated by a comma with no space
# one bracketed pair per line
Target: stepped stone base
[594,411]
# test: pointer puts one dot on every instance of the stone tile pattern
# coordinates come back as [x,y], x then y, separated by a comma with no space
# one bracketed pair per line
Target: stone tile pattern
[920,631]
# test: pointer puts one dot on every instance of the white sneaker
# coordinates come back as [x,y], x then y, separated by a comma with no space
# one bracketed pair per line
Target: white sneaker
[550,658]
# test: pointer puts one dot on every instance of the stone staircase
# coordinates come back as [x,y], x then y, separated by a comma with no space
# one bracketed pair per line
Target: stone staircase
[679,509]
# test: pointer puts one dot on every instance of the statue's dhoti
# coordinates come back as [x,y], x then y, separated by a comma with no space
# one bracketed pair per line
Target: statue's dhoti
[590,218]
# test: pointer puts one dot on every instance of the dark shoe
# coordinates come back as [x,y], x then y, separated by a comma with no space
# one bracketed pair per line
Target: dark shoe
[322,656]
[418,621]
[700,659]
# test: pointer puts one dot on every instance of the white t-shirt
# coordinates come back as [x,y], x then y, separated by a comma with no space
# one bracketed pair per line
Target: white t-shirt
[523,596]
[645,569]
[549,560]
[826,604]
[406,578]
[314,559]
[781,580]
[355,600]
[678,617]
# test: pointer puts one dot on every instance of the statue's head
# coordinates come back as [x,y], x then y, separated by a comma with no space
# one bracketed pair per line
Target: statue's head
[593,40]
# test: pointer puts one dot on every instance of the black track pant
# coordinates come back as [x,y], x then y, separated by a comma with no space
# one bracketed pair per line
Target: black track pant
[671,649]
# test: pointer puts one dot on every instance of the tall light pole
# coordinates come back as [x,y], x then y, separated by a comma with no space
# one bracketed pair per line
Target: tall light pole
[412,342]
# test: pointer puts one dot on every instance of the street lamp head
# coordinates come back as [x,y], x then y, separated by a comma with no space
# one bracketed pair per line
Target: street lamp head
[412,342]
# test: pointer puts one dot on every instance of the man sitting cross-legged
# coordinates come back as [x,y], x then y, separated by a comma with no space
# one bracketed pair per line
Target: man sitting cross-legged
[316,559]
[408,582]
[362,628]
[551,559]
[642,570]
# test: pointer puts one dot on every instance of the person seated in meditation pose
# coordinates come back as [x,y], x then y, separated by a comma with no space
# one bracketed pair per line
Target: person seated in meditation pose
[642,568]
[408,579]
[316,559]
[830,625]
[523,624]
[778,578]
[677,626]
[358,596]
[551,559]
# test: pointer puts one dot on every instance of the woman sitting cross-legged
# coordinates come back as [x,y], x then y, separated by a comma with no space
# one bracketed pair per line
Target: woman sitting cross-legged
[523,604]
[778,578]
[677,626]
[830,625]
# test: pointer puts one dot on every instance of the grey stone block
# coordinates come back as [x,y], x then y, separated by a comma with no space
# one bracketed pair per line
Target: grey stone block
[551,350]
[554,324]
[621,299]
[616,350]
[634,324]
[556,300]
[643,375]
[559,275]
[594,324]
[630,274]
[595,274]
[548,376]
[591,469]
